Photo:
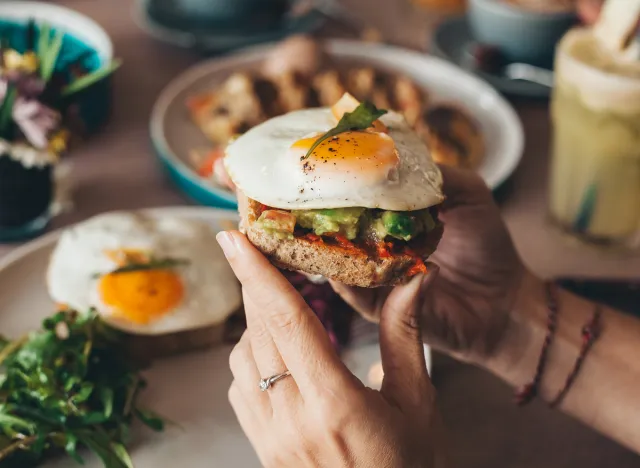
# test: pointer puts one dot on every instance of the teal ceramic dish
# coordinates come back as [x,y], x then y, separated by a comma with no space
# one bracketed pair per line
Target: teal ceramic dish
[200,190]
[522,35]
[174,136]
[85,41]
[214,40]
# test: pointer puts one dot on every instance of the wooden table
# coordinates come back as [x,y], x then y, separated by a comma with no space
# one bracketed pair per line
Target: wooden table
[116,170]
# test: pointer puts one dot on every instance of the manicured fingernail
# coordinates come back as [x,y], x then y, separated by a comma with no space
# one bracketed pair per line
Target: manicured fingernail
[227,243]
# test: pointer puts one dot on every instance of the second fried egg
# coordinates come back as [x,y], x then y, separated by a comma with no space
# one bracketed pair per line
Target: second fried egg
[180,280]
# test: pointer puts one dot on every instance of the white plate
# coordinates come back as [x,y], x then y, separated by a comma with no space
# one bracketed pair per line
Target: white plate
[174,135]
[190,390]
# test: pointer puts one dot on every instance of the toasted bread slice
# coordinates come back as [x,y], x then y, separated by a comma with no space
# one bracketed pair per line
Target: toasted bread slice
[148,348]
[354,268]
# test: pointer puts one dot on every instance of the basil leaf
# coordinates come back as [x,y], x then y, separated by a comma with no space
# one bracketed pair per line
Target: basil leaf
[360,119]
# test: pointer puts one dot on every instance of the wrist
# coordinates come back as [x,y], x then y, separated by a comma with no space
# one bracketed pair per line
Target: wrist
[516,355]
[519,352]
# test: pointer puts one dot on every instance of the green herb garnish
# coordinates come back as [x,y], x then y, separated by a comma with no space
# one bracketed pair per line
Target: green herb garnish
[91,78]
[49,56]
[153,264]
[360,119]
[65,386]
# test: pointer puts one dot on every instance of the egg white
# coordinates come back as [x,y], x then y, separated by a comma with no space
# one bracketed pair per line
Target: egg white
[260,164]
[211,291]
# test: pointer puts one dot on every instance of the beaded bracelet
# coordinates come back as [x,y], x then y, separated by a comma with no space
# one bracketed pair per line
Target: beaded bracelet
[590,333]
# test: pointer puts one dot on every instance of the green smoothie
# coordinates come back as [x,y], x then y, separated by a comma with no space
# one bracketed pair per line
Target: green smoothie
[595,173]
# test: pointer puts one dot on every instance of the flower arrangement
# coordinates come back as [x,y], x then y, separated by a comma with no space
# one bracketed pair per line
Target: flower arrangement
[34,93]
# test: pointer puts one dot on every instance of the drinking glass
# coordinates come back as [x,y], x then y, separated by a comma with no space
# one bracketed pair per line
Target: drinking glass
[595,171]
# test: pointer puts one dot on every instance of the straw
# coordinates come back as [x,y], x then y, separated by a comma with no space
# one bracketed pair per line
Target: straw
[617,23]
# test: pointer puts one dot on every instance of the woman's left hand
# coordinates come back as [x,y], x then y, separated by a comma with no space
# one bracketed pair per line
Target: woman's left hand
[322,415]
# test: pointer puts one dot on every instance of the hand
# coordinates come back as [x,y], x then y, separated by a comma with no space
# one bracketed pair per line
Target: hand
[589,10]
[465,312]
[322,415]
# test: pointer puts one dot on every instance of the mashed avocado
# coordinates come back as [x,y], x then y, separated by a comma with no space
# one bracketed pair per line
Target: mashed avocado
[354,222]
[369,224]
[343,221]
[401,225]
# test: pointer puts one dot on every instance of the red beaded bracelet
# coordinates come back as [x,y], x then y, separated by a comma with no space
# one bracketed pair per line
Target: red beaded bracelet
[590,333]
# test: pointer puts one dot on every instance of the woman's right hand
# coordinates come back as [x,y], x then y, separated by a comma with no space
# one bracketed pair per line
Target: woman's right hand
[465,312]
[320,414]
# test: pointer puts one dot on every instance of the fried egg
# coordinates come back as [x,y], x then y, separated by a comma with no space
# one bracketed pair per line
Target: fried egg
[387,166]
[191,285]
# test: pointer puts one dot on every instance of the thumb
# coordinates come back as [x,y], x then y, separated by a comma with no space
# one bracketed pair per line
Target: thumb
[406,380]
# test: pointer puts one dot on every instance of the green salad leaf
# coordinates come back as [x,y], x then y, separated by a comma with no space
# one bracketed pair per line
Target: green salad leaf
[65,386]
[361,118]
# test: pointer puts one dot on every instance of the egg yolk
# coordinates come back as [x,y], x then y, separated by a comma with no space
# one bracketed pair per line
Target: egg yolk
[142,296]
[372,154]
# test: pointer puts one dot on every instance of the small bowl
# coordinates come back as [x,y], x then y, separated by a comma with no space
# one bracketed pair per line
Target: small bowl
[522,35]
[223,15]
[83,37]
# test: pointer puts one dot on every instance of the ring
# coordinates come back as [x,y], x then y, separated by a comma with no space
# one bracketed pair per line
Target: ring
[265,384]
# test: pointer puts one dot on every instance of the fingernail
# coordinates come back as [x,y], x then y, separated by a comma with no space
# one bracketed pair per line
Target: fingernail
[427,280]
[227,243]
[431,266]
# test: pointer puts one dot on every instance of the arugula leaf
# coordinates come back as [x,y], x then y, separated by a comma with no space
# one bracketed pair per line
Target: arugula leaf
[57,394]
[154,264]
[106,395]
[87,80]
[360,119]
[71,448]
[9,422]
[83,395]
[40,443]
[151,419]
[121,452]
[101,445]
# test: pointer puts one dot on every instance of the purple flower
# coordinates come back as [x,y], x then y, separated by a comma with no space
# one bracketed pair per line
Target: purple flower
[28,85]
[35,120]
[4,87]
